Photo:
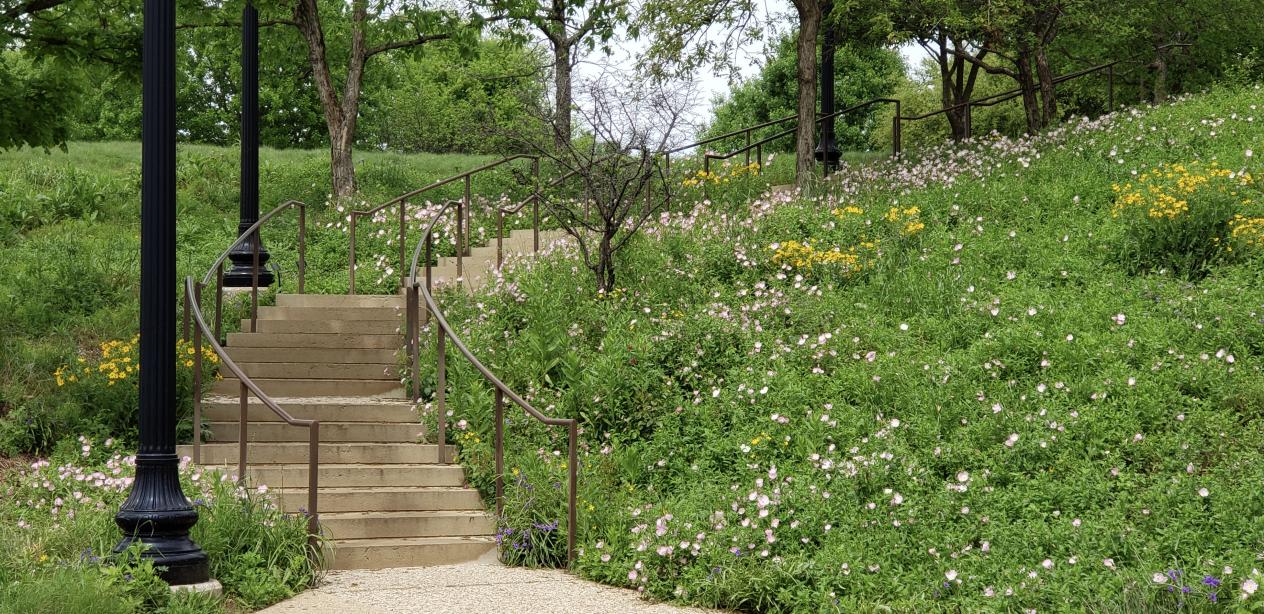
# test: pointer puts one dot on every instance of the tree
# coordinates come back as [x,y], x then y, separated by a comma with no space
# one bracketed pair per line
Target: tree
[440,101]
[622,179]
[44,46]
[683,37]
[939,28]
[569,26]
[358,31]
[862,72]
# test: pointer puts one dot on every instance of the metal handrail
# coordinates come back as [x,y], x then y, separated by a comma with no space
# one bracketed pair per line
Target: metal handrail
[463,214]
[758,146]
[194,319]
[192,292]
[218,268]
[416,292]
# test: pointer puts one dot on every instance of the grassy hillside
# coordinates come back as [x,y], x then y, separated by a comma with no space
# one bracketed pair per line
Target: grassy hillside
[1022,375]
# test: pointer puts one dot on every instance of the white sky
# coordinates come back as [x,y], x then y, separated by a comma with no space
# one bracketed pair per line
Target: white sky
[706,83]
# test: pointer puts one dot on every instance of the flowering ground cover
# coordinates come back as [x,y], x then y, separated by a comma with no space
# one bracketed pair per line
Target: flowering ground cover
[57,531]
[1019,375]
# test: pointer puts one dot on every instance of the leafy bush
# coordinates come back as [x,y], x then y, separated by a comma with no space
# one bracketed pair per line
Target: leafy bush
[1186,217]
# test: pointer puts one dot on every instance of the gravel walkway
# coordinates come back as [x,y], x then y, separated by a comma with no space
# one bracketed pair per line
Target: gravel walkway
[481,587]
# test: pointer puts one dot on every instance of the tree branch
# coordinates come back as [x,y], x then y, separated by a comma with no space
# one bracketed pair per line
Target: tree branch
[34,6]
[415,42]
[236,24]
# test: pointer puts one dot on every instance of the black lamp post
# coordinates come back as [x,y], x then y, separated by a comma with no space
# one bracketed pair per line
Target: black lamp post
[827,148]
[156,511]
[241,274]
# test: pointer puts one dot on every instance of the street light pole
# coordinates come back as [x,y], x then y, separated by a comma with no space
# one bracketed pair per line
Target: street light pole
[241,275]
[827,149]
[156,512]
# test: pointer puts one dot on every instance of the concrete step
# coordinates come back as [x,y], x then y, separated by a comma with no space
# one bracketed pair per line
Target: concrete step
[413,552]
[384,499]
[379,525]
[344,475]
[392,341]
[312,355]
[216,454]
[316,370]
[351,327]
[315,387]
[392,314]
[338,300]
[331,432]
[325,409]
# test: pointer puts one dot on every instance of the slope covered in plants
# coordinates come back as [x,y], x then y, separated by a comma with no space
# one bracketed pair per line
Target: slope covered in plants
[1023,374]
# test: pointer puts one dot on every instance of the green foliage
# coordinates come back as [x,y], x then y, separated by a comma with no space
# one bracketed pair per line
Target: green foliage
[996,413]
[1186,217]
[861,73]
[39,96]
[441,101]
[57,530]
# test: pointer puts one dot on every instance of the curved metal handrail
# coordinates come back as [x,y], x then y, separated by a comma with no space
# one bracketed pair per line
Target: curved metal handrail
[193,316]
[417,292]
[463,216]
[218,268]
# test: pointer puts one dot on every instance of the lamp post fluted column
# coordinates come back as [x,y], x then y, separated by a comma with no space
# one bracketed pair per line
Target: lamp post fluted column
[827,149]
[242,257]
[156,512]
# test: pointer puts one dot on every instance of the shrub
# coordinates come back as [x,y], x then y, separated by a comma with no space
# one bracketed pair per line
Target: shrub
[1185,218]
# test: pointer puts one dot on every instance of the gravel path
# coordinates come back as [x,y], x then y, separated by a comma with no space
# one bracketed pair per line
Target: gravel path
[481,587]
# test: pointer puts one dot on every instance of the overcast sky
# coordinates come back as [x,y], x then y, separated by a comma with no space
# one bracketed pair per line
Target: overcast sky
[706,84]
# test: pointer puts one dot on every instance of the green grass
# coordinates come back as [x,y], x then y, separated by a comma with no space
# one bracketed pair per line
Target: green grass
[1005,410]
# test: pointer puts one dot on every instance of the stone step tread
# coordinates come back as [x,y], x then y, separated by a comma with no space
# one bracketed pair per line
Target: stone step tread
[344,466]
[307,355]
[327,327]
[284,386]
[419,514]
[320,401]
[350,445]
[353,314]
[339,300]
[415,541]
[391,340]
[320,370]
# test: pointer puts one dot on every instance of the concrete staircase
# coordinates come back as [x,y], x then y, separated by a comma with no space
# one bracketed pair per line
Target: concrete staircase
[477,267]
[384,499]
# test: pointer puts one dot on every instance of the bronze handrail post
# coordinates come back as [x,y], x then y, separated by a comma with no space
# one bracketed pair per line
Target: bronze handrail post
[500,243]
[302,247]
[416,343]
[465,218]
[500,453]
[403,237]
[254,289]
[572,513]
[351,251]
[197,380]
[313,478]
[441,391]
[219,302]
[243,428]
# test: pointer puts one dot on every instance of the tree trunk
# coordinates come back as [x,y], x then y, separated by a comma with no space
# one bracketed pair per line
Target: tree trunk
[562,97]
[341,164]
[805,133]
[1031,105]
[1160,77]
[1048,95]
[340,113]
[605,263]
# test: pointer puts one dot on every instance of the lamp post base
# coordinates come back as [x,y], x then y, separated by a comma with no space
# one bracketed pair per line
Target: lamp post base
[158,515]
[242,257]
